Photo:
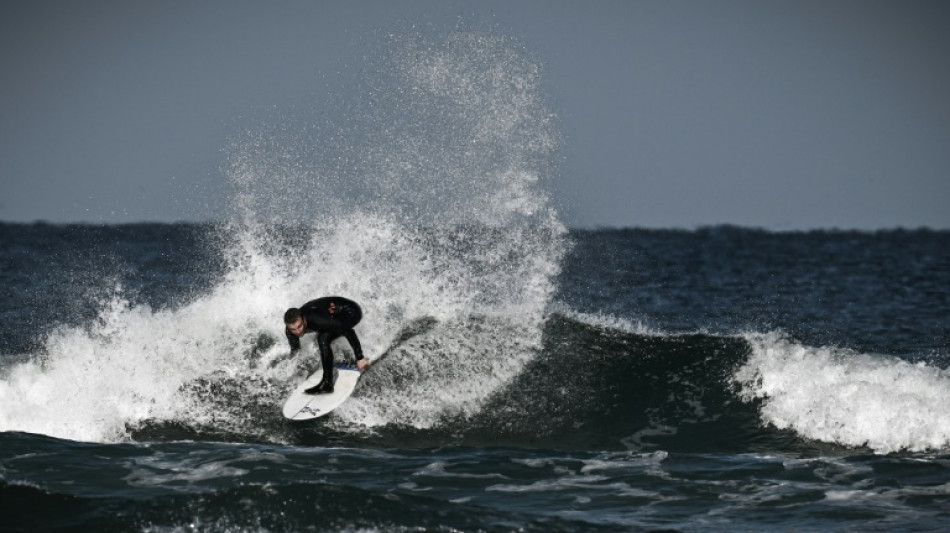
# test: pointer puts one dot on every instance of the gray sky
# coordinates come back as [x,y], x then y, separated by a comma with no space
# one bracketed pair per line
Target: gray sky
[783,115]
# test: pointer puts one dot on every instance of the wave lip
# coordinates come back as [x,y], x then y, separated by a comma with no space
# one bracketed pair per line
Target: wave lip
[843,397]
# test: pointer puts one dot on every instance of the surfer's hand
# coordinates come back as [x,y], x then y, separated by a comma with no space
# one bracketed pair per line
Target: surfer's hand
[362,364]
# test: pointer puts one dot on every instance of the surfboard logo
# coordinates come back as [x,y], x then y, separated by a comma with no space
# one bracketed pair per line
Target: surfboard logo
[309,411]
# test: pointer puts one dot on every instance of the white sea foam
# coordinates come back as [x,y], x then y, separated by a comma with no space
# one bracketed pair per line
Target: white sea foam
[840,396]
[438,213]
[618,461]
[437,469]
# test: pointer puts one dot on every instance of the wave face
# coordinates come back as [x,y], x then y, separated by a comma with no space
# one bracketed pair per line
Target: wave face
[600,386]
[433,212]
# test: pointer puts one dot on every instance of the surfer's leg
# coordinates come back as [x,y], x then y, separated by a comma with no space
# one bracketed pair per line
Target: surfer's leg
[326,353]
[326,359]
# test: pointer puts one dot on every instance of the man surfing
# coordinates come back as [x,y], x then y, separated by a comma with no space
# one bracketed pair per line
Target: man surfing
[330,318]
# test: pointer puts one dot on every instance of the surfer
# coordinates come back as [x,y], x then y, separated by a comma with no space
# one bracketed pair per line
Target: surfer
[330,318]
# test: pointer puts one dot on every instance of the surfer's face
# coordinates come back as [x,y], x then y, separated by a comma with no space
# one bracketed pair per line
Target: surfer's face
[298,327]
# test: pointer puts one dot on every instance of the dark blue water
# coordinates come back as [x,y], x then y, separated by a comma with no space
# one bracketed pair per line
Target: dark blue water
[723,379]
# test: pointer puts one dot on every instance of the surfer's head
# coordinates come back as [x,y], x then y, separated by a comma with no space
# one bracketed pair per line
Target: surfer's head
[296,323]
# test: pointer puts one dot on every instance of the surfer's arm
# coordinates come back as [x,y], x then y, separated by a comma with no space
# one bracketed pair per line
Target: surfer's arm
[354,341]
[294,342]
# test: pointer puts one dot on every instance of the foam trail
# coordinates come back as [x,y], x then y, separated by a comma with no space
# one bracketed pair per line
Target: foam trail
[432,209]
[853,399]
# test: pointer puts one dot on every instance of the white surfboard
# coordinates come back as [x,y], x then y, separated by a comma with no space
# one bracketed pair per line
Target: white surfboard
[303,406]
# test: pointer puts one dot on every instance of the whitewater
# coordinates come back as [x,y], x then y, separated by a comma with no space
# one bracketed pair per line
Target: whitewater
[494,255]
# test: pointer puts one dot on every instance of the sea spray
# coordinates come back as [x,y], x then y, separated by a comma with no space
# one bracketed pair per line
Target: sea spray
[436,210]
[433,211]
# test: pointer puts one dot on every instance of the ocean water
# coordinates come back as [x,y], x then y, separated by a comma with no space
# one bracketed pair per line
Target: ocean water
[711,380]
[537,378]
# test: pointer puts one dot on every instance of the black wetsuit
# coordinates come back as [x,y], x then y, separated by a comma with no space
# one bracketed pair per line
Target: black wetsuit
[329,327]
